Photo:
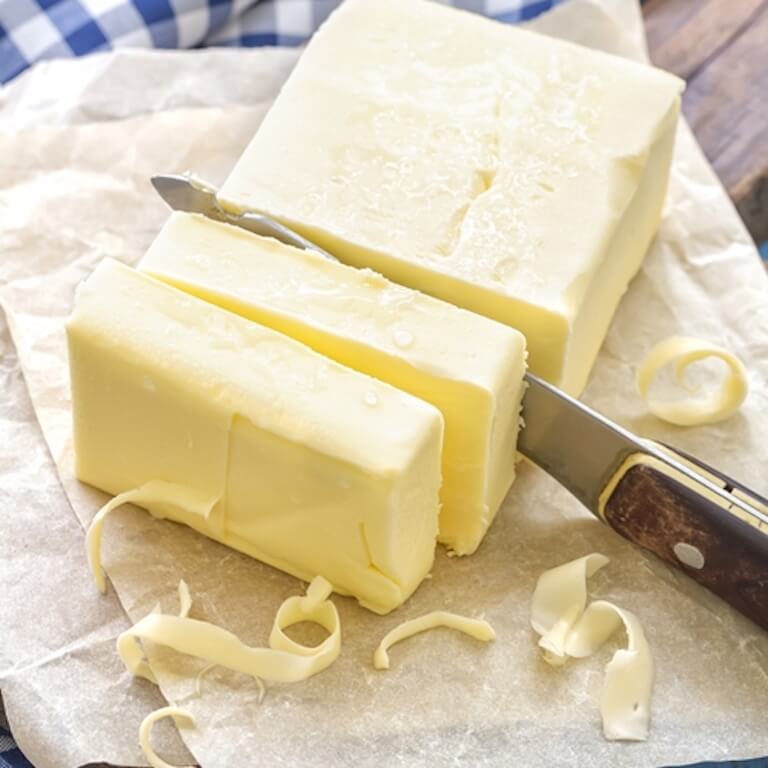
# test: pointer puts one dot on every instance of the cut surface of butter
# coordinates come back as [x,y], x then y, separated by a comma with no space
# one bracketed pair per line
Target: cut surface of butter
[468,366]
[281,451]
[513,174]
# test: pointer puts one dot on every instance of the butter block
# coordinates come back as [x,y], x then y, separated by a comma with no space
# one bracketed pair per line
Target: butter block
[309,466]
[468,366]
[513,174]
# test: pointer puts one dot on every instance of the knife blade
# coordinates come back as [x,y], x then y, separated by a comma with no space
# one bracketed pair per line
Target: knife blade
[187,192]
[583,450]
[687,513]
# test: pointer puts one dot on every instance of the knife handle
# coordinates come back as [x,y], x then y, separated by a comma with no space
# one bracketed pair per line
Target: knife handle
[717,543]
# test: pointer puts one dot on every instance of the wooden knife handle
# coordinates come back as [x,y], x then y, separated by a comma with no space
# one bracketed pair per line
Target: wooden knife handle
[718,544]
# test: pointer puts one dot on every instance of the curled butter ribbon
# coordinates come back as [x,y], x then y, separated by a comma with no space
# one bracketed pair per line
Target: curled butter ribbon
[284,660]
[154,492]
[570,628]
[683,351]
[180,717]
[480,630]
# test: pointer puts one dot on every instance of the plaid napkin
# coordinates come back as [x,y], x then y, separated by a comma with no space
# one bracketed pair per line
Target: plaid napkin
[10,754]
[31,30]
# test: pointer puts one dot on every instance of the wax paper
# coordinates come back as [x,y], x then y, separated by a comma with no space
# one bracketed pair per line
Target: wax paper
[74,189]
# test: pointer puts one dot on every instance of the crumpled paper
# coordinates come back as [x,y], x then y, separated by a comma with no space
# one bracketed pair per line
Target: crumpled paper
[67,695]
[62,682]
[76,190]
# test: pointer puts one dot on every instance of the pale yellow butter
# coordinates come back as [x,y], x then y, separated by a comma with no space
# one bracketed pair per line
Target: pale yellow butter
[477,628]
[571,628]
[516,175]
[468,366]
[180,716]
[287,456]
[682,352]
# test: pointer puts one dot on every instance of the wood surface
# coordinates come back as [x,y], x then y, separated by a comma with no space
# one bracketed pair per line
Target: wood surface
[720,47]
[659,513]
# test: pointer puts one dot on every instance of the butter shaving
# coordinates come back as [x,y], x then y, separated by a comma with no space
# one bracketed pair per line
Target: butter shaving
[201,674]
[180,716]
[185,599]
[626,695]
[683,351]
[284,661]
[571,628]
[481,630]
[142,668]
[558,602]
[154,492]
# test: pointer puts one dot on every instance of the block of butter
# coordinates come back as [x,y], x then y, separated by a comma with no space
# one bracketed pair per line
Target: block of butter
[513,174]
[298,461]
[469,367]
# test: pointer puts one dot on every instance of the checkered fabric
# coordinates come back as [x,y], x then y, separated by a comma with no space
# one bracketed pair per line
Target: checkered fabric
[32,30]
[10,754]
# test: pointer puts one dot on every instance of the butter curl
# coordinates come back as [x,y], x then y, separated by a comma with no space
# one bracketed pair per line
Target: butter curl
[477,628]
[284,661]
[180,717]
[710,408]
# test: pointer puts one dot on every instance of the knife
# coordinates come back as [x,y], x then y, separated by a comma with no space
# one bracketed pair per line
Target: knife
[665,501]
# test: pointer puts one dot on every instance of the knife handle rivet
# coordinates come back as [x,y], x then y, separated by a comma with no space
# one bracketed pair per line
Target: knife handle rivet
[689,555]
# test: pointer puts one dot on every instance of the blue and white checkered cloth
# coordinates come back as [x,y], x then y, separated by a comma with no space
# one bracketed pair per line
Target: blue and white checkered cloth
[31,30]
[10,754]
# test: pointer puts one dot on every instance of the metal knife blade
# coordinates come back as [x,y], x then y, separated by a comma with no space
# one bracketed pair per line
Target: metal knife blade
[583,450]
[571,442]
[188,193]
[191,194]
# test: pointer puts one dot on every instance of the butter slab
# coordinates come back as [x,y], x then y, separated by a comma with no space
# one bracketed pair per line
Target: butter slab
[510,173]
[309,466]
[467,366]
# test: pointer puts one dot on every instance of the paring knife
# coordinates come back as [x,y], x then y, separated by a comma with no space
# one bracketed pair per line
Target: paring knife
[690,515]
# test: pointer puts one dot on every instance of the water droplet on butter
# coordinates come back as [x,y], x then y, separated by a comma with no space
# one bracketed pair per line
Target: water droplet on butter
[149,385]
[403,339]
[371,398]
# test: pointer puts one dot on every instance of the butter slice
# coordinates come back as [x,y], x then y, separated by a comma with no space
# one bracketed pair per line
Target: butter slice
[469,367]
[304,464]
[516,175]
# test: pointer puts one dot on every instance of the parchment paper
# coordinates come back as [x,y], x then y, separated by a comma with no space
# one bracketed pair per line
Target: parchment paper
[63,684]
[68,698]
[72,194]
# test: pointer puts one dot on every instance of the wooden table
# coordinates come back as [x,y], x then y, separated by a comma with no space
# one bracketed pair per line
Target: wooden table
[720,47]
